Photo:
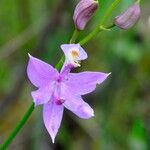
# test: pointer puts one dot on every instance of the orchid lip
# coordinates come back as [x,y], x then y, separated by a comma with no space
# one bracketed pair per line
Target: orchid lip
[74,53]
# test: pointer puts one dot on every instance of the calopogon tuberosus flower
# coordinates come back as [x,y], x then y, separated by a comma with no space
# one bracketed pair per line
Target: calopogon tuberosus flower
[57,90]
[84,11]
[129,17]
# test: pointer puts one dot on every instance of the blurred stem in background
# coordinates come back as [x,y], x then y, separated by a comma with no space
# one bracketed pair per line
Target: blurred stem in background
[100,27]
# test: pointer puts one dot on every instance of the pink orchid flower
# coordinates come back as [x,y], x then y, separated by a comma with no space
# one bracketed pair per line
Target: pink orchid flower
[58,90]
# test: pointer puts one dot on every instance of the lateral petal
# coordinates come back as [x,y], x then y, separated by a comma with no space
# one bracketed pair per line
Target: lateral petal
[79,107]
[39,72]
[84,82]
[43,94]
[52,116]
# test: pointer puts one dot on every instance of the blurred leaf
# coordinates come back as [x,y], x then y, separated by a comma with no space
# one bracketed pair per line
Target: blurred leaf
[137,136]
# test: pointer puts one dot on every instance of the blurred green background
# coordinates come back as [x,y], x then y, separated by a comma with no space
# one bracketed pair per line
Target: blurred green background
[121,104]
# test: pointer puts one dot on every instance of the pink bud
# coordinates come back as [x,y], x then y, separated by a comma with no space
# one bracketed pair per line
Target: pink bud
[84,12]
[129,17]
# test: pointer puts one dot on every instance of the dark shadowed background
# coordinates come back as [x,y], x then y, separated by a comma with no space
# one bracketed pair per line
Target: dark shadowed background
[121,104]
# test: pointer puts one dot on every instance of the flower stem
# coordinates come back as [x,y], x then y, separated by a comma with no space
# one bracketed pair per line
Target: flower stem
[109,11]
[92,34]
[59,64]
[18,127]
[74,36]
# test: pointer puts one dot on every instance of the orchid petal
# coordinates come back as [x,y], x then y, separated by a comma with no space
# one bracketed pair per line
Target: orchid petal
[39,72]
[79,107]
[84,82]
[52,116]
[43,95]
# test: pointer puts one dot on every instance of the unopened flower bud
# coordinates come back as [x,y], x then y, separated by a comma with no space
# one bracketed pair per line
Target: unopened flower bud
[129,17]
[84,12]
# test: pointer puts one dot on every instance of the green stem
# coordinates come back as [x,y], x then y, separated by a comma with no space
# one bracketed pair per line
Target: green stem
[92,34]
[109,11]
[102,22]
[74,36]
[18,127]
[59,64]
[111,26]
